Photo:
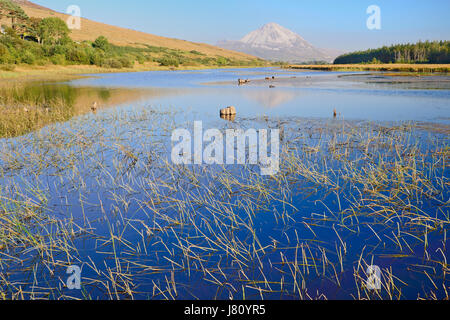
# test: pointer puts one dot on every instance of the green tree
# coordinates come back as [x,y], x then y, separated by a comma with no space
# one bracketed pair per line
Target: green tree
[33,27]
[421,52]
[10,10]
[52,31]
[101,43]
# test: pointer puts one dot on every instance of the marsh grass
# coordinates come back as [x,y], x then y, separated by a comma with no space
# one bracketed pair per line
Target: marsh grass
[30,106]
[24,111]
[100,191]
[19,120]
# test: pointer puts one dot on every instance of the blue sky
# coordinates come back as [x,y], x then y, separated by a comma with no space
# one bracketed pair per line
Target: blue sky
[325,23]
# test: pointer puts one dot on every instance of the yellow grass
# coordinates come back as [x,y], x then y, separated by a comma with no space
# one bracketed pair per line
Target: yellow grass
[377,67]
[22,115]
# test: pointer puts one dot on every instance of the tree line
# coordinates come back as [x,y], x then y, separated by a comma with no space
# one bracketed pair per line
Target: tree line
[437,52]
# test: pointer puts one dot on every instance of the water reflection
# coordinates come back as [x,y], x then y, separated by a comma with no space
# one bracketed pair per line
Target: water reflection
[228,117]
[298,93]
[305,94]
[31,106]
[271,98]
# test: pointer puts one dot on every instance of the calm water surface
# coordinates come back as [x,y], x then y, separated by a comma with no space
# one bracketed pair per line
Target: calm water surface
[309,94]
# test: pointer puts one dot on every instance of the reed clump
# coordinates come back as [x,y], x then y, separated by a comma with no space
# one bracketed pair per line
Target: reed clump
[22,112]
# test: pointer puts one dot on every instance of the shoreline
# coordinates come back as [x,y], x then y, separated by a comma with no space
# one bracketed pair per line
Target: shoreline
[72,72]
[59,73]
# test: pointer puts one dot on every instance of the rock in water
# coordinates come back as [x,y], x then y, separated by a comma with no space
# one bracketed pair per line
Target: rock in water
[228,111]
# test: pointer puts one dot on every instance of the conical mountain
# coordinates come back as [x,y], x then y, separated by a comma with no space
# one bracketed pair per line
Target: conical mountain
[277,43]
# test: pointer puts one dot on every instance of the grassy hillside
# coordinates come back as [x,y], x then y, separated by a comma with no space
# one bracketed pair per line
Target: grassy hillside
[91,30]
[37,41]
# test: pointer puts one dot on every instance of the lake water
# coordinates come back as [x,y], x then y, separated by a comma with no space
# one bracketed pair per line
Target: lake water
[369,187]
[310,94]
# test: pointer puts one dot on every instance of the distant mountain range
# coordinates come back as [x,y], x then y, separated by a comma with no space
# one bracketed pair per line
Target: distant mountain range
[276,43]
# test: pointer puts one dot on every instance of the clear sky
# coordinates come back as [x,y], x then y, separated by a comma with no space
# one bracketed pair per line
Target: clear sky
[325,23]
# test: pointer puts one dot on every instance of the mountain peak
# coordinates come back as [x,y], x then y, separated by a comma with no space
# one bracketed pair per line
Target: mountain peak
[275,42]
[271,24]
[273,35]
[274,26]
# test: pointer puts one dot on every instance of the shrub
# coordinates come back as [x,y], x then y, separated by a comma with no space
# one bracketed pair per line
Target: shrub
[8,59]
[112,63]
[55,50]
[8,67]
[168,62]
[126,62]
[221,61]
[41,62]
[96,58]
[3,50]
[197,53]
[28,58]
[5,55]
[77,55]
[101,43]
[58,59]
[140,59]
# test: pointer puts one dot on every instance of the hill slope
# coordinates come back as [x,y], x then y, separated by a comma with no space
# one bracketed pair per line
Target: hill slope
[90,30]
[274,42]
